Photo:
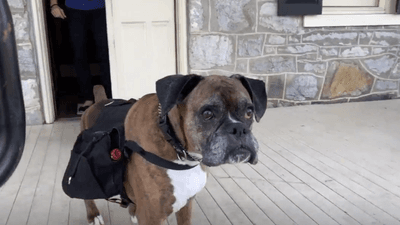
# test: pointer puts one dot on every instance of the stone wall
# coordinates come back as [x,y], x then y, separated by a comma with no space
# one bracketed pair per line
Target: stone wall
[20,10]
[299,65]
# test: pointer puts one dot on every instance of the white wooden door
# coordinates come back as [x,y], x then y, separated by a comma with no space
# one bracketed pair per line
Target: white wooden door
[359,3]
[141,43]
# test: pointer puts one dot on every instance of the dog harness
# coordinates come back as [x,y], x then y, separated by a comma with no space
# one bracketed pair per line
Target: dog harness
[100,154]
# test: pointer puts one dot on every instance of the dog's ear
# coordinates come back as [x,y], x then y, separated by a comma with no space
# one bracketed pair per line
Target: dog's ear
[258,95]
[173,89]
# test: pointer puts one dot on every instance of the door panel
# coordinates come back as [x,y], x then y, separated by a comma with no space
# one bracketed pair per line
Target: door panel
[142,45]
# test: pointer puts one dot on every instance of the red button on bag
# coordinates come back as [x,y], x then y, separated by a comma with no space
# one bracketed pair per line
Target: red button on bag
[116,154]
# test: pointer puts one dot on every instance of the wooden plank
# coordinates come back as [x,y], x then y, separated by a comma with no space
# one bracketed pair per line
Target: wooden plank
[27,131]
[382,198]
[315,213]
[325,205]
[292,210]
[44,190]
[380,180]
[312,152]
[198,216]
[253,212]
[59,210]
[217,171]
[211,209]
[266,173]
[77,212]
[225,202]
[284,203]
[23,202]
[9,191]
[269,207]
[352,147]
[118,215]
[244,172]
[231,170]
[375,205]
[320,162]
[249,171]
[360,215]
[103,207]
[365,204]
[277,169]
[171,220]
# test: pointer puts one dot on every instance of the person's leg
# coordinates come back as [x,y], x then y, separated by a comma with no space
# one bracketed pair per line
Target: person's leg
[99,29]
[78,24]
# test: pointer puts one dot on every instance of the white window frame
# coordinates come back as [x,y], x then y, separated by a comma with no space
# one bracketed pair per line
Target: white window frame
[358,3]
[384,14]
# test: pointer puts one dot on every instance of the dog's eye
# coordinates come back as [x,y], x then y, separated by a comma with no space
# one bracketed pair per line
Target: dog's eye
[249,113]
[207,114]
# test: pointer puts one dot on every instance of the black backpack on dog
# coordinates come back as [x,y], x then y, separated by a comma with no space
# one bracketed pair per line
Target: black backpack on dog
[97,163]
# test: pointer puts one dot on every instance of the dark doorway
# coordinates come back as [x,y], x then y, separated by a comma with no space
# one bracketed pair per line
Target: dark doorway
[64,78]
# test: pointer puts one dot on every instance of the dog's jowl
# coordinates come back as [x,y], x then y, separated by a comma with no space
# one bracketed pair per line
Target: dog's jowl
[191,123]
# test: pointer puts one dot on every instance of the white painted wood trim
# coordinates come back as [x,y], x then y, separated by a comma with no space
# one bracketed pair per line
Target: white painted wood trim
[355,16]
[389,6]
[351,20]
[182,37]
[352,10]
[43,61]
[370,3]
[111,47]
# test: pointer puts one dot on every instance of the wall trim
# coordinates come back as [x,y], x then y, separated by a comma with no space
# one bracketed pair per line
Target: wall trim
[351,20]
[383,14]
[181,37]
[43,61]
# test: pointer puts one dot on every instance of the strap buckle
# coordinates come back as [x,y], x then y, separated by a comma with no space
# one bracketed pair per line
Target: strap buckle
[185,155]
[122,202]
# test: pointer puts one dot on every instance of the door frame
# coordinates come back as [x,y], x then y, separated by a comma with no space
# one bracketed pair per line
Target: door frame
[43,57]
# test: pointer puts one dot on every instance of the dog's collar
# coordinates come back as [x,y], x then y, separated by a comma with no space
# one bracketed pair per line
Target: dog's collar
[170,136]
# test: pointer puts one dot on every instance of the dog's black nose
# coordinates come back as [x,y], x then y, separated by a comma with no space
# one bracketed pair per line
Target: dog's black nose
[237,129]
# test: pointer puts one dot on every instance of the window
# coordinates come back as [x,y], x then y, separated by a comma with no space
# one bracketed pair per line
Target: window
[354,13]
[359,3]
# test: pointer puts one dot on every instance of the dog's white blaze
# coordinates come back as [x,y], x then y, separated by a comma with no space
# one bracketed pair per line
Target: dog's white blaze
[233,120]
[186,183]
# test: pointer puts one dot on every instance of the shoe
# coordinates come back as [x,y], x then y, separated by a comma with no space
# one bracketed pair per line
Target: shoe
[82,107]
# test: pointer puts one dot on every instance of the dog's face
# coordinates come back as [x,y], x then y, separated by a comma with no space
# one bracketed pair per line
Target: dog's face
[217,115]
[218,121]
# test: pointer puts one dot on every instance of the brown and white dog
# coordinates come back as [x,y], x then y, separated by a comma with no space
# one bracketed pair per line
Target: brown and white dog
[212,118]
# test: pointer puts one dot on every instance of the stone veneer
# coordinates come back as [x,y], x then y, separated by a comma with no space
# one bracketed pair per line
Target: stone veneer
[20,10]
[299,65]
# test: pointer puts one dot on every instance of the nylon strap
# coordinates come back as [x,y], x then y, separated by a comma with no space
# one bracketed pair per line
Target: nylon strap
[131,147]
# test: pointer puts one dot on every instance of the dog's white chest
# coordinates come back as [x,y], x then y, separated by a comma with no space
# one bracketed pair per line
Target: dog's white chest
[186,183]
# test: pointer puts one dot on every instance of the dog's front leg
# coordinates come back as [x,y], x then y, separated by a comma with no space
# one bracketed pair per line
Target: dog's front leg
[184,215]
[93,214]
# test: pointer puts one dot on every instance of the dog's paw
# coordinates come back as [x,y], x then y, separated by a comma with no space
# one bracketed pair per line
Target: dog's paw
[98,220]
[134,220]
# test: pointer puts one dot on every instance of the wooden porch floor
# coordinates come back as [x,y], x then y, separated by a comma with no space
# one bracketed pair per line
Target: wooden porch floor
[320,164]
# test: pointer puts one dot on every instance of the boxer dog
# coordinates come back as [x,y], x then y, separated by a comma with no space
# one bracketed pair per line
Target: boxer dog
[212,118]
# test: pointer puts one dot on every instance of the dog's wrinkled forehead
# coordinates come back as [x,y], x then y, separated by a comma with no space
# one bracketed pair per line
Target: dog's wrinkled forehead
[219,90]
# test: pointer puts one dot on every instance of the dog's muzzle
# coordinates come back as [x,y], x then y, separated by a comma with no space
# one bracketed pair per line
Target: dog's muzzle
[242,154]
